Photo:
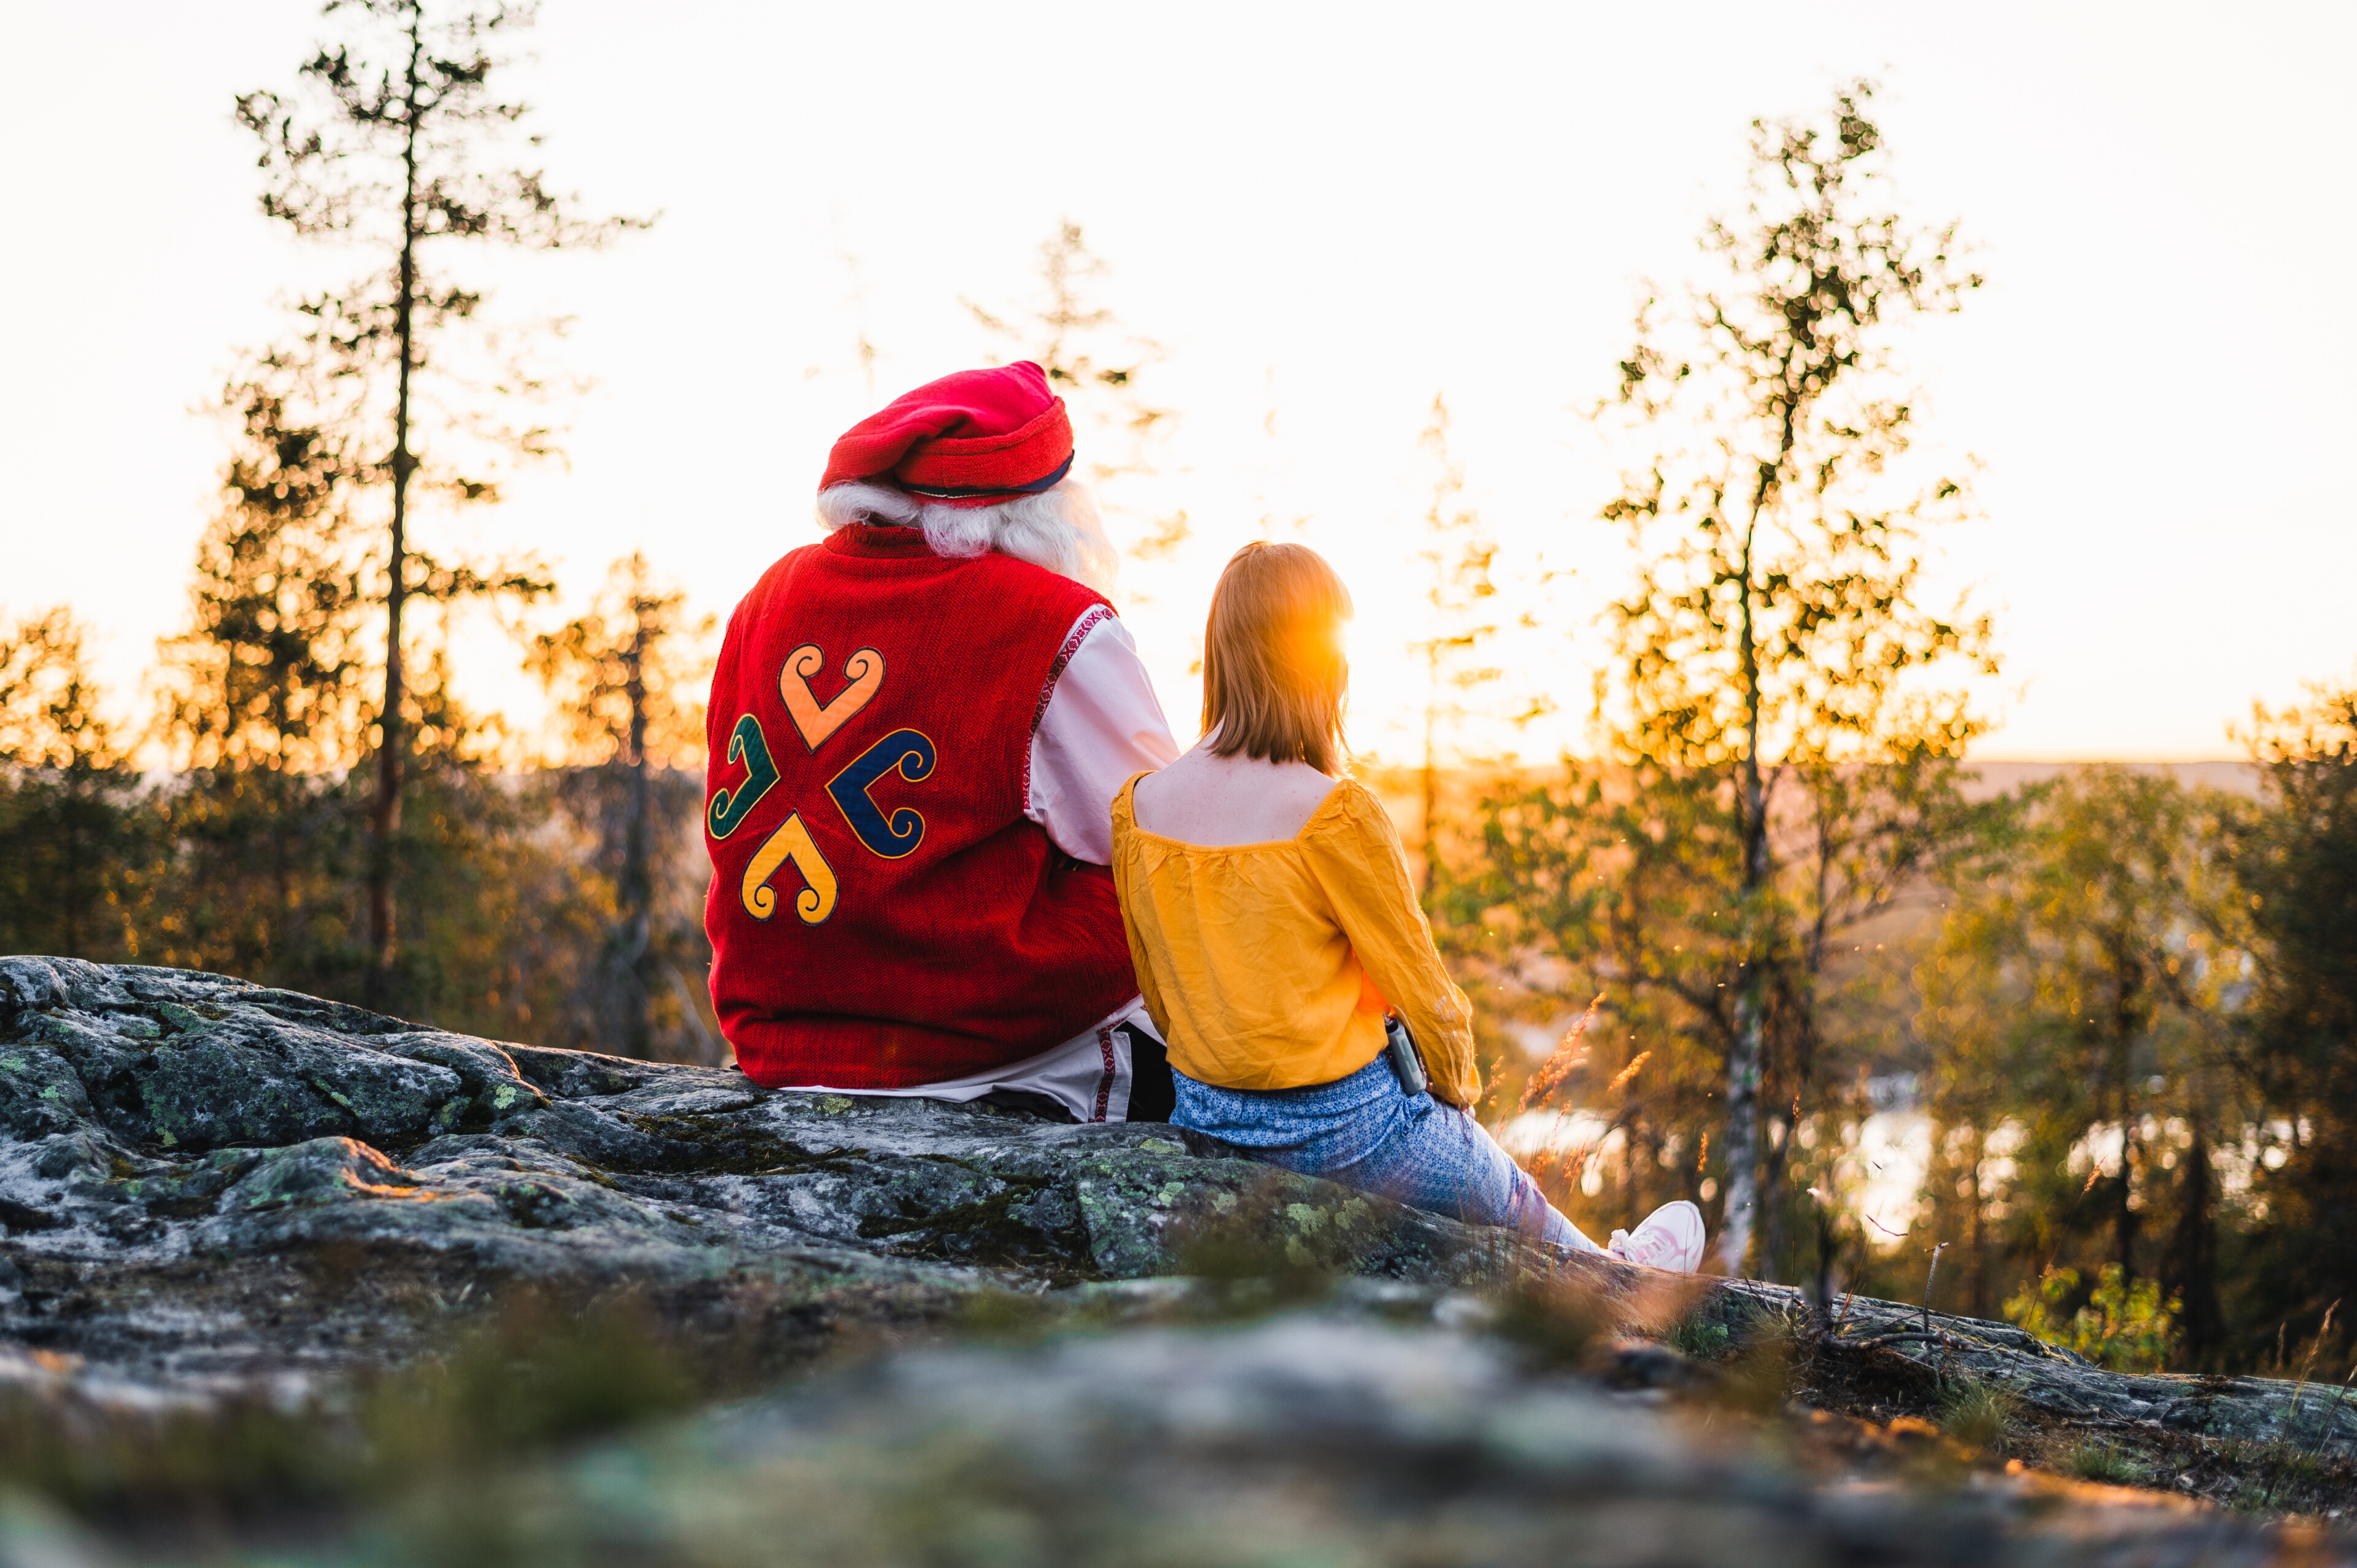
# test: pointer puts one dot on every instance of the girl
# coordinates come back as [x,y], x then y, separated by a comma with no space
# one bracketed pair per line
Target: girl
[1274,926]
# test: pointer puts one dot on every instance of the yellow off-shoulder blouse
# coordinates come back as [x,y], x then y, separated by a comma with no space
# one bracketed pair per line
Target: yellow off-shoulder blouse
[1268,965]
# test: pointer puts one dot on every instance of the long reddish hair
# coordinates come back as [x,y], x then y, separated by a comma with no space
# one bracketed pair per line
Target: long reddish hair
[1275,673]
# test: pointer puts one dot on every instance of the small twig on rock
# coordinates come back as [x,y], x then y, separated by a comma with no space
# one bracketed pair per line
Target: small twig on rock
[1931,1274]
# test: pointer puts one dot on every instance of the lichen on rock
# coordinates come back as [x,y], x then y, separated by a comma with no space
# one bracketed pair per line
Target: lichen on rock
[216,1191]
[152,1117]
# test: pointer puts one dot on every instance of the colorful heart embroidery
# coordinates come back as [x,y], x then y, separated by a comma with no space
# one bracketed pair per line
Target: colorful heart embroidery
[865,670]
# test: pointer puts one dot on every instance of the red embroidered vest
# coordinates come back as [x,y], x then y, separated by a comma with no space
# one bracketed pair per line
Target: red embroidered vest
[882,913]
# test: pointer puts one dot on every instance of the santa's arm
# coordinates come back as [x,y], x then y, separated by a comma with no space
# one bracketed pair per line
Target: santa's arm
[1101,725]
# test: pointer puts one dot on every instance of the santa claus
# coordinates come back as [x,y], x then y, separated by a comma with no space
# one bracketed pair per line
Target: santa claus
[917,729]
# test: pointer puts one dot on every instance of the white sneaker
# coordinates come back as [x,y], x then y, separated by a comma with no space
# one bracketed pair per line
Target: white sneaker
[1671,1238]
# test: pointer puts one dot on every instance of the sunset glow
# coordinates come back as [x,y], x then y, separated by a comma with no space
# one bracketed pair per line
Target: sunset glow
[1317,251]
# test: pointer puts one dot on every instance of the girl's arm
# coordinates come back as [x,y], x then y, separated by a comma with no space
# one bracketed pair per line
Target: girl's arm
[1355,854]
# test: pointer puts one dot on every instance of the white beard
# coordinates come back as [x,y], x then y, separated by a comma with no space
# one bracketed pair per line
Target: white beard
[1057,529]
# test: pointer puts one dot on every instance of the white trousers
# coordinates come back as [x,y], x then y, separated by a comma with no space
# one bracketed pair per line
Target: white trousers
[1089,1074]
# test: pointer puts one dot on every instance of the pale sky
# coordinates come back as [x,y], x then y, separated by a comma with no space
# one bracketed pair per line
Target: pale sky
[1329,212]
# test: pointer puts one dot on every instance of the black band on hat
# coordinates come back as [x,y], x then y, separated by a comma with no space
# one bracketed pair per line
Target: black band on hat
[981,492]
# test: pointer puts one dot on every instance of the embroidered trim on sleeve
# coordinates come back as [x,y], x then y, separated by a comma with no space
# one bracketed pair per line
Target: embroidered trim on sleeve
[1105,1084]
[1094,616]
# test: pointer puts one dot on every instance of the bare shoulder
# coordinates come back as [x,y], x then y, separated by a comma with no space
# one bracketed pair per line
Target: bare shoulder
[1222,801]
[1301,789]
[1352,811]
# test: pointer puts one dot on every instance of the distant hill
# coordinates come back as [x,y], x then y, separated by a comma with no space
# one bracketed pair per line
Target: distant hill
[1400,787]
[2234,777]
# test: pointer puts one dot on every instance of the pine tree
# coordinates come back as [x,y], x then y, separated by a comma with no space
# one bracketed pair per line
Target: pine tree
[72,836]
[2298,864]
[1457,553]
[624,674]
[1100,368]
[262,709]
[391,150]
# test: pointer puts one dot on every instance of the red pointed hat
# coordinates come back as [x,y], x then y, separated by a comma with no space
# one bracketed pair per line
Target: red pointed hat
[968,439]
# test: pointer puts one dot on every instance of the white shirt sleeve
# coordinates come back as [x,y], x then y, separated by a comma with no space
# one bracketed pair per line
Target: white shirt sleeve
[1101,725]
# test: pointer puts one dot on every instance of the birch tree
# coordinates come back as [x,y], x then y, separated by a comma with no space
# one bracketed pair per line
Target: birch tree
[1772,760]
[1776,620]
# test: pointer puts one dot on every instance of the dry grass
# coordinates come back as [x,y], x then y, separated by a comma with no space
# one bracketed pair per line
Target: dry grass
[2106,1463]
[1981,1415]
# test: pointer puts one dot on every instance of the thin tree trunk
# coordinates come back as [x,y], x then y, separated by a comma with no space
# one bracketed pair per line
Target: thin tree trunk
[1431,764]
[2124,1216]
[68,797]
[385,813]
[1747,1050]
[2195,1260]
[280,939]
[1980,1224]
[638,882]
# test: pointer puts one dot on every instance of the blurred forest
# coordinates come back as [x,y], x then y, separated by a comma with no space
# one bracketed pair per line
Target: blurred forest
[1765,930]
